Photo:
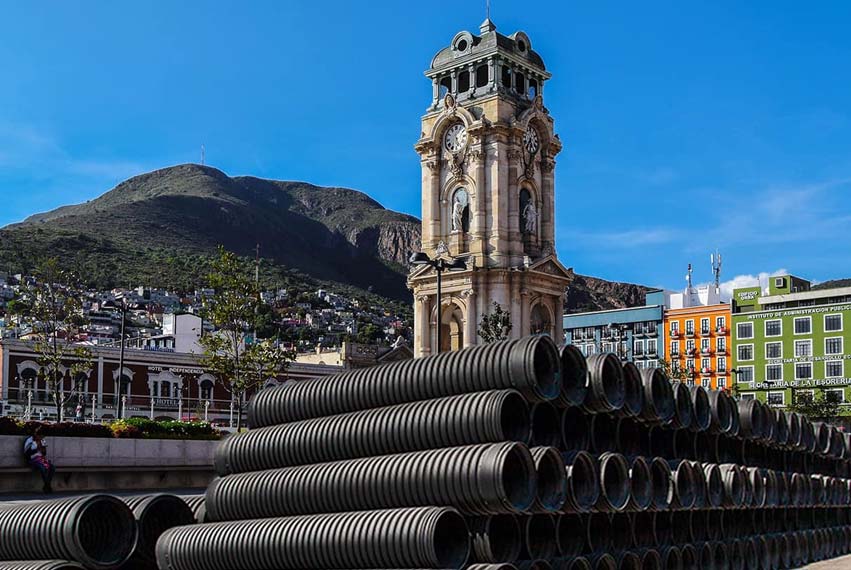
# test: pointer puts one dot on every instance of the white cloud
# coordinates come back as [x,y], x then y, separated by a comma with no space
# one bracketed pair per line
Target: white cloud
[739,281]
[624,239]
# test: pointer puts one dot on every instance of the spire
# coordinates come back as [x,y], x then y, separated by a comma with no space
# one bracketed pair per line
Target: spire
[487,26]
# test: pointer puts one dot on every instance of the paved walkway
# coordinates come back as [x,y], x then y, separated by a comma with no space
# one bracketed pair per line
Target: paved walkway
[841,563]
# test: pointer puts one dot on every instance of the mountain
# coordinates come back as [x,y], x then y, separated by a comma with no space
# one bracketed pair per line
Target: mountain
[832,284]
[146,228]
[161,229]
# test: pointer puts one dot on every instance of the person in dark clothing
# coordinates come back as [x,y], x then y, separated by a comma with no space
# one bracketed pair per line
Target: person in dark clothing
[35,450]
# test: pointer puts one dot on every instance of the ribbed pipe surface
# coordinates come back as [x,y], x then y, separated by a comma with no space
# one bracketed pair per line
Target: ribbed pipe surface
[721,411]
[684,488]
[640,485]
[429,537]
[98,531]
[614,483]
[539,537]
[155,514]
[551,479]
[606,390]
[663,484]
[546,425]
[39,565]
[480,479]
[196,504]
[583,481]
[633,404]
[682,406]
[530,365]
[574,377]
[481,417]
[495,538]
[574,429]
[659,405]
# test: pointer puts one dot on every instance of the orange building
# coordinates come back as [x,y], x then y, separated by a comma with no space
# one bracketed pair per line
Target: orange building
[699,343]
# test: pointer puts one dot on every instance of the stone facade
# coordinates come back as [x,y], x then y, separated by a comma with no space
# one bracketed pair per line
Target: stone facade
[488,152]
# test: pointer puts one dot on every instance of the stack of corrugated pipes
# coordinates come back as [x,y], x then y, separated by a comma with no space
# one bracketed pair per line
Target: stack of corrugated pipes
[517,454]
[95,532]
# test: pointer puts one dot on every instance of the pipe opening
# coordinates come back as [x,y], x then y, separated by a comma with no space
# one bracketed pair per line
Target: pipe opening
[451,540]
[545,363]
[633,402]
[641,484]
[613,384]
[682,401]
[162,513]
[574,429]
[684,444]
[714,485]
[615,478]
[719,556]
[621,531]
[644,529]
[651,560]
[606,562]
[599,532]
[574,375]
[546,427]
[604,431]
[672,559]
[570,532]
[662,483]
[629,433]
[504,537]
[107,532]
[514,419]
[662,394]
[664,530]
[583,481]
[701,410]
[540,539]
[579,563]
[630,561]
[552,480]
[517,477]
[684,485]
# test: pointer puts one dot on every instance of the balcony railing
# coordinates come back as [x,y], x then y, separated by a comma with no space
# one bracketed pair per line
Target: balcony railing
[705,332]
[689,332]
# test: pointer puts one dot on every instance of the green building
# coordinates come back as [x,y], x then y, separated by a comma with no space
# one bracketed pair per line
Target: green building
[791,338]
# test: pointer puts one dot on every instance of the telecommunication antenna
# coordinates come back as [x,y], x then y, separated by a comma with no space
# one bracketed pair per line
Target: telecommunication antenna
[715,260]
[688,279]
[203,154]
[488,9]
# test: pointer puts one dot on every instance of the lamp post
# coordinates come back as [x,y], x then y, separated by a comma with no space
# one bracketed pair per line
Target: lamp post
[440,265]
[121,400]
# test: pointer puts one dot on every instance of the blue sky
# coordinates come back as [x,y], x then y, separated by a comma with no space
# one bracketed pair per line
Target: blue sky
[687,125]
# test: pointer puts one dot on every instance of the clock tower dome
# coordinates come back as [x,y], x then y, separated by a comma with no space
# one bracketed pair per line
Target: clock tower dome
[487,150]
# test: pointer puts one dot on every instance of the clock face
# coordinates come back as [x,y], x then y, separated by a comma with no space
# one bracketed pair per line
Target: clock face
[530,140]
[455,138]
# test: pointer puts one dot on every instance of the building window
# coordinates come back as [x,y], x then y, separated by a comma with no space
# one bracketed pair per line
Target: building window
[774,350]
[689,345]
[704,365]
[834,395]
[744,330]
[591,349]
[745,374]
[690,326]
[803,325]
[675,328]
[608,347]
[774,372]
[721,364]
[803,370]
[690,364]
[745,352]
[721,344]
[833,345]
[773,328]
[803,348]
[675,348]
[704,326]
[832,323]
[638,348]
[722,383]
[833,369]
[651,347]
[776,398]
[720,323]
[704,345]
[652,364]
[746,397]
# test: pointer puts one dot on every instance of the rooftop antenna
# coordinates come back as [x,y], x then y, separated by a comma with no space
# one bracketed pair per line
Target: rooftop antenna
[688,279]
[715,260]
[203,154]
[488,9]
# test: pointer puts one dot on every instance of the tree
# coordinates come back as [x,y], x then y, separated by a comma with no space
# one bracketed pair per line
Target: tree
[674,373]
[822,406]
[52,306]
[239,361]
[496,325]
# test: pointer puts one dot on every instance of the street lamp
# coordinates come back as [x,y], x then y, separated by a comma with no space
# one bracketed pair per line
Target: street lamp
[121,399]
[440,265]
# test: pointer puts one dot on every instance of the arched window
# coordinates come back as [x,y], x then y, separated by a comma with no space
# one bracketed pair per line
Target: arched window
[520,83]
[445,86]
[506,76]
[481,76]
[460,213]
[463,82]
[206,389]
[533,88]
[539,320]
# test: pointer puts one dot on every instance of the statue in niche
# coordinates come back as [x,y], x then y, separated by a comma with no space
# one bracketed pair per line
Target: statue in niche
[460,211]
[528,213]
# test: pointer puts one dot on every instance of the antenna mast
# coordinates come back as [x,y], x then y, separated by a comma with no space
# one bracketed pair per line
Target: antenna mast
[715,260]
[688,279]
[488,9]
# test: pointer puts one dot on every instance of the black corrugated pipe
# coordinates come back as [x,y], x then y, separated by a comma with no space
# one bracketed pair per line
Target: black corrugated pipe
[530,364]
[793,426]
[720,558]
[578,563]
[706,556]
[495,538]
[640,484]
[714,485]
[750,554]
[40,565]
[684,447]
[721,411]
[546,425]
[658,397]
[753,453]
[629,561]
[598,533]
[735,554]
[782,483]
[583,481]
[735,424]
[681,526]
[482,417]
[671,559]
[769,478]
[621,530]
[750,419]
[663,484]
[494,478]
[538,533]
[763,551]
[614,483]
[574,377]
[538,564]
[822,435]
[769,423]
[570,535]
[757,484]
[706,446]
[697,526]
[633,403]
[98,531]
[574,430]
[701,410]
[426,537]
[604,431]
[661,441]
[196,505]
[644,529]
[605,384]
[604,561]
[684,490]
[734,485]
[682,406]
[715,526]
[808,435]
[664,530]
[650,559]
[551,475]
[781,427]
[701,489]
[496,566]
[631,437]
[155,514]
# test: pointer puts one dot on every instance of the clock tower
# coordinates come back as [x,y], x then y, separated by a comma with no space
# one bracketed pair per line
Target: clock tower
[487,150]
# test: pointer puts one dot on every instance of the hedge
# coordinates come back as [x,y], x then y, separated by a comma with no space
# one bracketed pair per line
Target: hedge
[130,428]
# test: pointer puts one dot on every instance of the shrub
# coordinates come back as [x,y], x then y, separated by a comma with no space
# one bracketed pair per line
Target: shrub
[8,426]
[122,429]
[129,428]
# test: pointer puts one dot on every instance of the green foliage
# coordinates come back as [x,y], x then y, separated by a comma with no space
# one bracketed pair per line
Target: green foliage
[495,325]
[231,353]
[168,429]
[680,374]
[822,406]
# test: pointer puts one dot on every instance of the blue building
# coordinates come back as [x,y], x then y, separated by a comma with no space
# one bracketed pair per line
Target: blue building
[635,334]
